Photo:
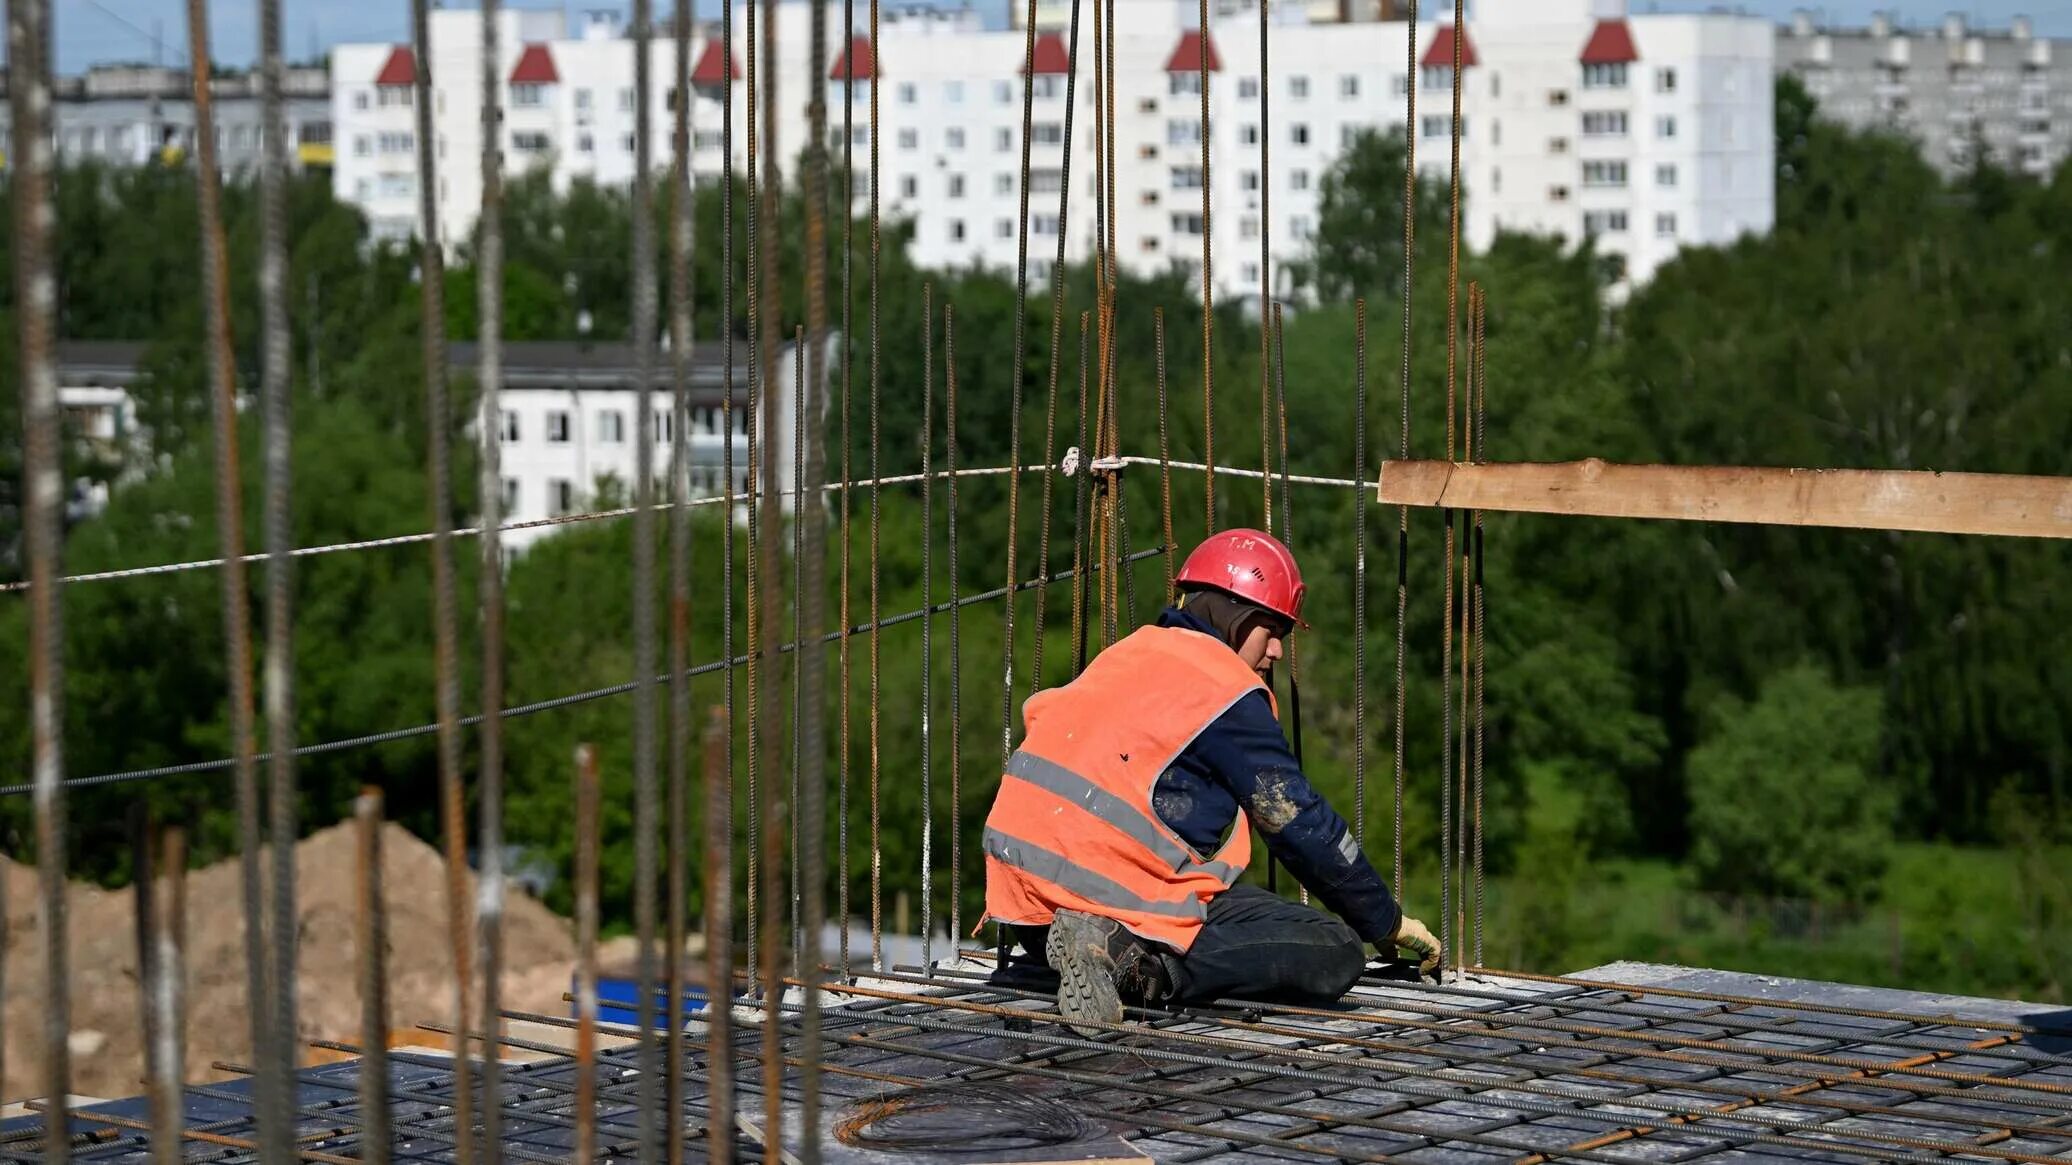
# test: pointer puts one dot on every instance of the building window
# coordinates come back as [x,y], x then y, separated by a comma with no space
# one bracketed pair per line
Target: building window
[529,142]
[626,143]
[1046,181]
[1557,145]
[1148,243]
[1003,229]
[956,230]
[1248,179]
[1604,222]
[1665,175]
[557,427]
[909,139]
[582,101]
[1047,133]
[1299,133]
[360,99]
[956,186]
[1399,84]
[1147,151]
[1147,105]
[1432,127]
[561,496]
[1248,135]
[909,186]
[398,143]
[1604,173]
[1605,76]
[1435,77]
[1665,127]
[1183,132]
[611,427]
[1003,184]
[1298,227]
[1043,224]
[393,95]
[1147,198]
[1179,84]
[1557,194]
[625,101]
[510,427]
[663,429]
[1002,92]
[711,139]
[1048,85]
[528,96]
[1186,177]
[1604,124]
[510,495]
[363,146]
[1247,88]
[1665,226]
[1665,80]
[585,144]
[1298,87]
[954,138]
[1557,98]
[908,94]
[953,92]
[1349,86]
[1186,223]
[1346,135]
[1003,140]
[1298,179]
[1248,227]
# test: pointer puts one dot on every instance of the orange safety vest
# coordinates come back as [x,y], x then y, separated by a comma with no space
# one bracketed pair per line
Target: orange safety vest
[1073,826]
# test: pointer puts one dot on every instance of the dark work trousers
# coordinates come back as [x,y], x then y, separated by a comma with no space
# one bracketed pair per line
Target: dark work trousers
[1255,945]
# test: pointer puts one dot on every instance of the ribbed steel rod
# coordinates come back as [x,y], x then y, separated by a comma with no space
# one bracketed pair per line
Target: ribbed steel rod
[719,937]
[949,364]
[682,195]
[927,623]
[586,806]
[372,918]
[489,581]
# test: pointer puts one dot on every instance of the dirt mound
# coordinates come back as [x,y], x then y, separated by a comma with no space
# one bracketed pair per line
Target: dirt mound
[107,1060]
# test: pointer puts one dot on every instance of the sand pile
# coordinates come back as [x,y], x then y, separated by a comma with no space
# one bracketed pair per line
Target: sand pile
[106,1042]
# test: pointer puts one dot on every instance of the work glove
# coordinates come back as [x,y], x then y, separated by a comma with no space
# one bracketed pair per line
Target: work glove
[1415,937]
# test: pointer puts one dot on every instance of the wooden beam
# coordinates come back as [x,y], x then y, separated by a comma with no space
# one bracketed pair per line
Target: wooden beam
[1870,499]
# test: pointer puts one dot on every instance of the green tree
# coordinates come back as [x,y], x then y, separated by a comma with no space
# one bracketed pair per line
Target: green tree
[1358,245]
[1785,799]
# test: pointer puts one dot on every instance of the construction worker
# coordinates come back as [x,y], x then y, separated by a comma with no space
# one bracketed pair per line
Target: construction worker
[1114,846]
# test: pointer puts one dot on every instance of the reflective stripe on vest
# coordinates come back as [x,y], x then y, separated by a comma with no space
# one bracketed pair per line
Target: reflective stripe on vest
[1055,868]
[1112,810]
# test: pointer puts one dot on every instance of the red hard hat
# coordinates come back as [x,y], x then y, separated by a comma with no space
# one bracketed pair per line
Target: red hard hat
[1251,564]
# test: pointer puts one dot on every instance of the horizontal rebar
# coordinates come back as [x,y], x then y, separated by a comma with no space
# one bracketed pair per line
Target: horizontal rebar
[392,735]
[24,585]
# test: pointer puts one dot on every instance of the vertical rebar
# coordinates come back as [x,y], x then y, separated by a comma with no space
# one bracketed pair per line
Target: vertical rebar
[757,455]
[927,625]
[1446,937]
[1208,301]
[162,980]
[230,520]
[1403,401]
[798,631]
[682,193]
[1082,566]
[585,1149]
[949,365]
[445,599]
[143,884]
[1480,430]
[732,488]
[877,856]
[1014,408]
[489,583]
[1165,453]
[1280,404]
[842,749]
[719,935]
[812,549]
[1360,571]
[277,1133]
[1057,325]
[646,796]
[1265,264]
[373,943]
[776,808]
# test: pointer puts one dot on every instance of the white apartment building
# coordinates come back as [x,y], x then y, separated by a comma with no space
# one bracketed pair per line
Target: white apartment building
[1951,88]
[1650,131]
[132,115]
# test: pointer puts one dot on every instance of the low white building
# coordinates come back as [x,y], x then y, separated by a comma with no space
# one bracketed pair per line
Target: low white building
[1651,131]
[1953,88]
[570,421]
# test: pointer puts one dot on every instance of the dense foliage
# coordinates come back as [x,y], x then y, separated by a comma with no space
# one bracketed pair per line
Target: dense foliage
[1754,712]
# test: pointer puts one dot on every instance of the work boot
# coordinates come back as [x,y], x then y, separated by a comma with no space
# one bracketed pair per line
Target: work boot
[1100,966]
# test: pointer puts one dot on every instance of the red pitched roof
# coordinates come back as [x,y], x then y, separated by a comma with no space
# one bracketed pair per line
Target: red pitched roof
[399,69]
[535,67]
[859,57]
[1611,43]
[1050,56]
[710,67]
[1186,56]
[1440,55]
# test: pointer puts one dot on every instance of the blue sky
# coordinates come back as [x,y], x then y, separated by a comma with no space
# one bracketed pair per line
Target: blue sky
[110,30]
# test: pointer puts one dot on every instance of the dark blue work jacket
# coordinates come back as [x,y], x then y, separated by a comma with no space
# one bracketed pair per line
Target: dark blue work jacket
[1241,760]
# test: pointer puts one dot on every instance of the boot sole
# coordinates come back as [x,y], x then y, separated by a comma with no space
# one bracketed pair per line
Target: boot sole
[1077,949]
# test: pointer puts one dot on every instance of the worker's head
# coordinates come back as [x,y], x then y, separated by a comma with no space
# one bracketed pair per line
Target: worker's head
[1246,585]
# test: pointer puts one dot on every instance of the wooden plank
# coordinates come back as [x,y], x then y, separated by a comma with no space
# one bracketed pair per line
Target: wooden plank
[2011,505]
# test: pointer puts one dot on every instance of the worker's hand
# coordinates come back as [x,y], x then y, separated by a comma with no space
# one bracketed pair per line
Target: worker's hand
[1414,936]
